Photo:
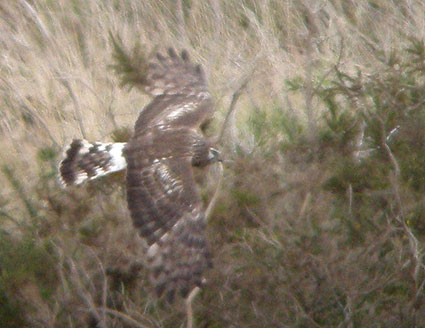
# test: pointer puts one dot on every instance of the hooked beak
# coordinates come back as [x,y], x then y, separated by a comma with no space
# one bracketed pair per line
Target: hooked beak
[215,155]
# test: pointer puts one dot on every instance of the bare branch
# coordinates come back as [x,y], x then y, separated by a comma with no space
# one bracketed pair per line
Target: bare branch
[77,111]
[395,181]
[232,107]
[211,205]
[37,20]
[189,311]
[213,200]
[82,292]
[28,106]
[104,286]
[124,317]
[180,21]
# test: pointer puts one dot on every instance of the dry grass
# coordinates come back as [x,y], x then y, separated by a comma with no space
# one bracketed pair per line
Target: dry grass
[303,235]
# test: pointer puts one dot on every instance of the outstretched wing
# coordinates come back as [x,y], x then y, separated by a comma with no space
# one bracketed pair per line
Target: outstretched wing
[178,86]
[168,112]
[162,196]
[167,211]
[180,94]
[173,74]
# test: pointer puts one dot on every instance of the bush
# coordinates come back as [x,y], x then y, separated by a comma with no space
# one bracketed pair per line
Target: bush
[320,222]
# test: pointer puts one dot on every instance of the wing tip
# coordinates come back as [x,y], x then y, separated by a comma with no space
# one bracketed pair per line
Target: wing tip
[172,72]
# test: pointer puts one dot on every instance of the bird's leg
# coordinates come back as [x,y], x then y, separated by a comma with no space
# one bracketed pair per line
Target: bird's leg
[189,311]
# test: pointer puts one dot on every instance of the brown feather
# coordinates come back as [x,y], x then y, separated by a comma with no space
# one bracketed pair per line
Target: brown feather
[163,199]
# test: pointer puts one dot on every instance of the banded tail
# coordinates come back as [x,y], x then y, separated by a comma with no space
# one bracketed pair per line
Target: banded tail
[87,161]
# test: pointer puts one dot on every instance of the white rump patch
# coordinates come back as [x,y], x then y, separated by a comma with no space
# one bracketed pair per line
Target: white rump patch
[84,159]
[118,160]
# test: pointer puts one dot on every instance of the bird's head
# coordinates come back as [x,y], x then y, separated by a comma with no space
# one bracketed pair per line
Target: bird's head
[214,155]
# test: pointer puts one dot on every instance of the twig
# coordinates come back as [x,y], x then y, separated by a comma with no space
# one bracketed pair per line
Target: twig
[37,19]
[348,314]
[124,317]
[46,35]
[189,310]
[84,294]
[395,181]
[302,309]
[305,204]
[350,199]
[335,67]
[218,22]
[104,286]
[77,110]
[232,107]
[18,187]
[11,218]
[309,90]
[213,200]
[210,207]
[111,115]
[30,109]
[180,21]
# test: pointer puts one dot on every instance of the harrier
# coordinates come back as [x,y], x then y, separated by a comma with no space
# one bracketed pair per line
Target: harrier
[162,196]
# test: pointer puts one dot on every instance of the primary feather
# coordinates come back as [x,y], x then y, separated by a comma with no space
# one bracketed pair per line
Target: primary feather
[162,196]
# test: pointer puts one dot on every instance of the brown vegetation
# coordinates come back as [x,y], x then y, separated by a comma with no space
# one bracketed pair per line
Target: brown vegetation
[320,222]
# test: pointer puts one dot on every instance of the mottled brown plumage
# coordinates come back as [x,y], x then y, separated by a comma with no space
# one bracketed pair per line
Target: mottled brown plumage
[162,196]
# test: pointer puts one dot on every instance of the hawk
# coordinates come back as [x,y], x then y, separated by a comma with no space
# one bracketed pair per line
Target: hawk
[162,196]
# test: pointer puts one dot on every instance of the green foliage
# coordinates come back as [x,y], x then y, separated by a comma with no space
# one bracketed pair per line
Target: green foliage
[121,134]
[308,232]
[244,198]
[27,274]
[287,124]
[17,186]
[11,313]
[47,154]
[334,232]
[258,125]
[130,66]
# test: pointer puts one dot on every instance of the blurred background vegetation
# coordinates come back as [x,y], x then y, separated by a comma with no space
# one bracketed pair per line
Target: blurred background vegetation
[321,219]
